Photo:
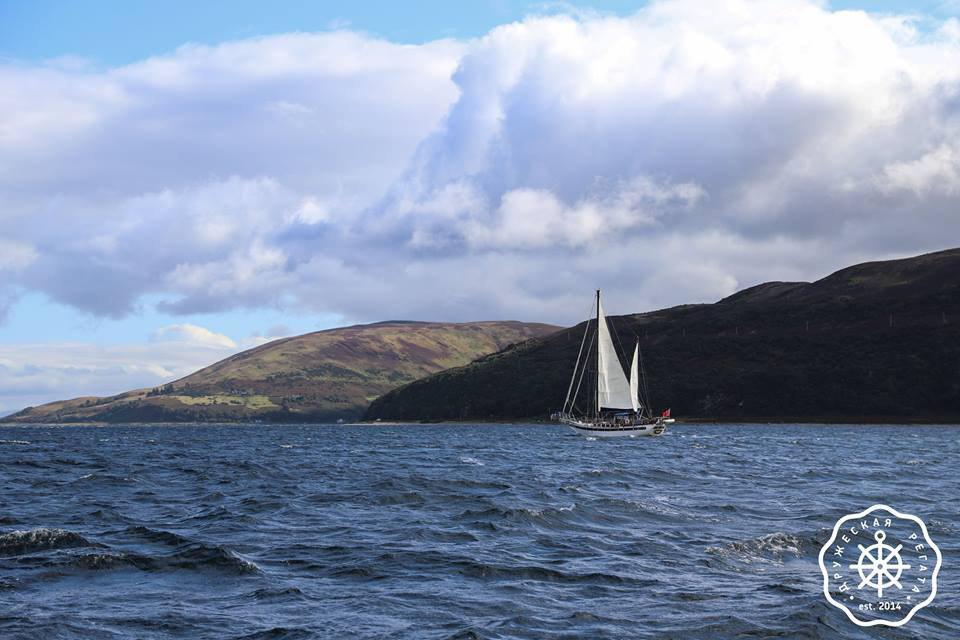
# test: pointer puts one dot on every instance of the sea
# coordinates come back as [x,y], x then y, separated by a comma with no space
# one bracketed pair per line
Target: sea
[454,531]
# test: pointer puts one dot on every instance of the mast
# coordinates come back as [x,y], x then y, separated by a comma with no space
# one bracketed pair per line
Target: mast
[598,354]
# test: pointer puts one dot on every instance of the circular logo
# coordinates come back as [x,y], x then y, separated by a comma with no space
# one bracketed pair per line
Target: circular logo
[880,566]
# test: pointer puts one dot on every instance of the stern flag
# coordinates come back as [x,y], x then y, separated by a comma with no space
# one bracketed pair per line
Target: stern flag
[666,414]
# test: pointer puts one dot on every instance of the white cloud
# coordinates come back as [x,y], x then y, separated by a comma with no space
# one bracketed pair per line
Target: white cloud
[193,334]
[935,171]
[118,177]
[669,156]
[536,218]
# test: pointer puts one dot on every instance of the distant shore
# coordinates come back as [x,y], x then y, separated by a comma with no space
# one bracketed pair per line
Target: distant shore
[931,422]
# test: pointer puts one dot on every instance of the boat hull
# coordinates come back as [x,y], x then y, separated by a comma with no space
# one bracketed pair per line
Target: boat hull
[657,428]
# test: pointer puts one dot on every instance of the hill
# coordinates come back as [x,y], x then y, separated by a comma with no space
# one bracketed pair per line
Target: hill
[875,342]
[319,376]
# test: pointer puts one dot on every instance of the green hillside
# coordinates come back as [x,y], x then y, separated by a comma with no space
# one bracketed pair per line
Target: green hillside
[326,375]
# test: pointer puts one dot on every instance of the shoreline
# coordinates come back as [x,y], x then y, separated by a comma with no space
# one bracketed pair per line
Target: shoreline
[866,421]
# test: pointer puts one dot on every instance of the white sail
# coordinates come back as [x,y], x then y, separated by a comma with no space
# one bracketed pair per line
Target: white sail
[635,378]
[613,389]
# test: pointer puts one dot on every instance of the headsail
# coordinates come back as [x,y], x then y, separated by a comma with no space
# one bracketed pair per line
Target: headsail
[613,389]
[635,378]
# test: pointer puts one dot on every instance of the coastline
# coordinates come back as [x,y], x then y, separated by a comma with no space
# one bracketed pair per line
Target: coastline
[805,421]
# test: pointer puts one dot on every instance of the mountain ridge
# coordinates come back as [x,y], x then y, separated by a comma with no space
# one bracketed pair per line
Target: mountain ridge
[319,376]
[877,340]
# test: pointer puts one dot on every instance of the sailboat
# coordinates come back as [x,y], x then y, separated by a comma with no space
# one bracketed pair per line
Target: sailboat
[613,409]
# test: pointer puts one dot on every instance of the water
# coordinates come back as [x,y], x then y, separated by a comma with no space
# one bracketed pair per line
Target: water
[468,531]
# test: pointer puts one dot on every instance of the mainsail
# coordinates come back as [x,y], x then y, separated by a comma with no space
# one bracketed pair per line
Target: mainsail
[613,389]
[635,378]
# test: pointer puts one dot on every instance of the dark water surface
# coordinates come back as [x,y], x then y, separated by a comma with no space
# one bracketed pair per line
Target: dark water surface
[486,531]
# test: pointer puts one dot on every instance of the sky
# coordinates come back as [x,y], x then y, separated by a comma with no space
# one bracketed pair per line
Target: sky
[180,181]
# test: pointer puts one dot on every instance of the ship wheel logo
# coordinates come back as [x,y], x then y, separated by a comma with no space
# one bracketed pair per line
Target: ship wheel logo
[882,562]
[895,573]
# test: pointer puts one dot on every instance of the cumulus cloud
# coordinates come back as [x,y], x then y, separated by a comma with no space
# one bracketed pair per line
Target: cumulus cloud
[669,156]
[785,140]
[935,171]
[194,335]
[154,176]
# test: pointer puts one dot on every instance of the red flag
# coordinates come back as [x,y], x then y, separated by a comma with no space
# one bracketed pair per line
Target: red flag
[666,414]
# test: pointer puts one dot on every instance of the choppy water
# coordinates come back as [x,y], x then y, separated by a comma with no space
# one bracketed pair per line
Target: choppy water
[485,531]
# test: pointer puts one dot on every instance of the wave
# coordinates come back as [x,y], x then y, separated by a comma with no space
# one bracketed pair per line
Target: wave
[517,514]
[403,561]
[416,490]
[69,462]
[156,535]
[17,543]
[773,547]
[478,569]
[278,633]
[439,535]
[218,514]
[190,554]
[655,508]
[200,557]
[400,498]
[111,561]
[282,594]
[8,585]
[469,484]
[465,634]
[203,556]
[33,464]
[185,554]
[105,478]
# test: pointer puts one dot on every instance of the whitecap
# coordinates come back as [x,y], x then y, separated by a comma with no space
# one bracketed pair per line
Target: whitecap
[469,460]
[774,547]
[34,540]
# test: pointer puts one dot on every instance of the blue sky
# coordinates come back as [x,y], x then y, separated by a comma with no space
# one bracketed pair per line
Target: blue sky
[303,165]
[114,32]
[118,31]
